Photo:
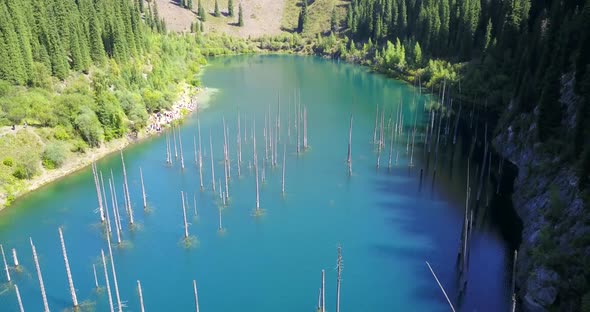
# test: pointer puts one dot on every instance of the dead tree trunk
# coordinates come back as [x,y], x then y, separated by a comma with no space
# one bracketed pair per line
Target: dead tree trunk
[106,203]
[18,298]
[40,276]
[284,166]
[212,162]
[200,157]
[120,306]
[98,193]
[68,271]
[339,278]
[15,258]
[142,189]
[513,288]
[5,264]
[441,287]
[140,296]
[106,278]
[323,291]
[126,186]
[174,138]
[116,215]
[181,152]
[304,127]
[196,295]
[349,158]
[184,215]
[95,276]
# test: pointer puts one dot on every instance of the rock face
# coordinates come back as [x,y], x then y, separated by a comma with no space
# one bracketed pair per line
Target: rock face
[554,248]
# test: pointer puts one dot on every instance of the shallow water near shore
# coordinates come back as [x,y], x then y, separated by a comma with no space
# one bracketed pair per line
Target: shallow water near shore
[386,225]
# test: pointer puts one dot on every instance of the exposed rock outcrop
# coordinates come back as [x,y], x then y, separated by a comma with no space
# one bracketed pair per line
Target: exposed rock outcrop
[556,235]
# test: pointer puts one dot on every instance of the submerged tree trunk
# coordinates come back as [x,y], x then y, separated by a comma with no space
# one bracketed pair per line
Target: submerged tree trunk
[68,271]
[40,277]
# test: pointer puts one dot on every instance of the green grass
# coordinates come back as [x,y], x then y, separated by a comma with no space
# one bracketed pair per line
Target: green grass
[213,23]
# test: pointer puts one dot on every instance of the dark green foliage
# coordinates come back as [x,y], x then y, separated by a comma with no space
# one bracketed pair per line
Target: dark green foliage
[65,35]
[586,302]
[230,8]
[556,206]
[240,16]
[217,12]
[8,161]
[89,126]
[333,21]
[26,168]
[202,13]
[302,19]
[549,119]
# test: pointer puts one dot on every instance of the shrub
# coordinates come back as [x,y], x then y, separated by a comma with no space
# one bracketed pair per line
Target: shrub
[586,302]
[89,126]
[79,146]
[8,161]
[26,169]
[61,133]
[53,156]
[556,204]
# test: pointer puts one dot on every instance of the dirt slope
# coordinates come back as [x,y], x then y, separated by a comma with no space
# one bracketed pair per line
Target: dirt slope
[261,17]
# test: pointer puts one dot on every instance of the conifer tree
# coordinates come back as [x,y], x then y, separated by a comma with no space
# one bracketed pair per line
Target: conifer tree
[302,20]
[217,12]
[240,16]
[96,46]
[189,4]
[550,113]
[488,35]
[333,21]
[202,13]
[11,53]
[230,8]
[417,54]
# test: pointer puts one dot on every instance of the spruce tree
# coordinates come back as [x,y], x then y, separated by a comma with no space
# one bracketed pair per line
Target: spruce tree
[417,54]
[14,72]
[230,8]
[488,35]
[202,13]
[96,46]
[302,20]
[240,16]
[333,21]
[217,12]
[349,18]
[549,118]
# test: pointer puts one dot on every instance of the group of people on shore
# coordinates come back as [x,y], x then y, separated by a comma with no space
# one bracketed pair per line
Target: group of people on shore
[163,118]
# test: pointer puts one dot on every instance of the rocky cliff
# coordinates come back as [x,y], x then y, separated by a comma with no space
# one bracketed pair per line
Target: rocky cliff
[554,256]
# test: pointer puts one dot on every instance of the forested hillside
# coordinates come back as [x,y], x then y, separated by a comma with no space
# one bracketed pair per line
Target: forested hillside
[526,63]
[82,73]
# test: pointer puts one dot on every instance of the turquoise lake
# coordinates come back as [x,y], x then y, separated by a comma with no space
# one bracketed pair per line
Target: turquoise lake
[386,225]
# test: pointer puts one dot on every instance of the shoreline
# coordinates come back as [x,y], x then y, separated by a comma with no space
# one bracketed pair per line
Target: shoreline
[183,104]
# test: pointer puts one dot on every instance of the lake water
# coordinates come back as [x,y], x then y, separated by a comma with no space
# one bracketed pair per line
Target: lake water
[386,226]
